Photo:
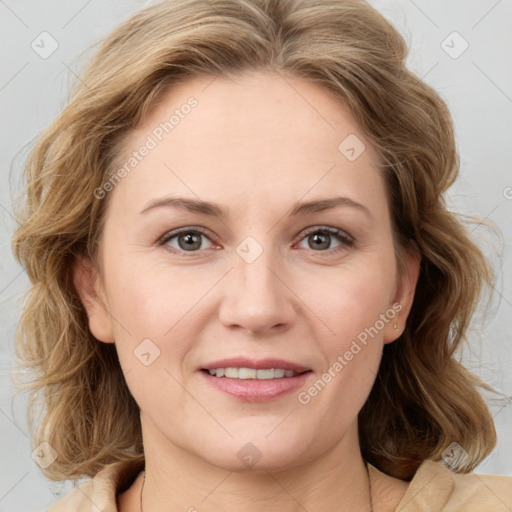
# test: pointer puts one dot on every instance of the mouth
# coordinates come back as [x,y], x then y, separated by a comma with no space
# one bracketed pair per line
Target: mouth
[255,381]
[253,373]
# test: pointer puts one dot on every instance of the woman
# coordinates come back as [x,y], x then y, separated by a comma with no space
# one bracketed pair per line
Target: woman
[247,289]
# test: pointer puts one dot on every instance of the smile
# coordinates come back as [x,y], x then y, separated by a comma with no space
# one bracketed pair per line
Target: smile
[255,385]
[252,373]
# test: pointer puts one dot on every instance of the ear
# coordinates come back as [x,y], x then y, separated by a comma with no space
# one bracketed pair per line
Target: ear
[87,284]
[406,287]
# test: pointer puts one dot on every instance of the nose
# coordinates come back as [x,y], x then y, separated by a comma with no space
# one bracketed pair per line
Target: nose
[257,297]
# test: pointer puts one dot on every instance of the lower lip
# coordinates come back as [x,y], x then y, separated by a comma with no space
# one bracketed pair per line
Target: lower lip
[251,390]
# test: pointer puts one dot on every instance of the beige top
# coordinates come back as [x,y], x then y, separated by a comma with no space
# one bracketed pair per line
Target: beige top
[434,488]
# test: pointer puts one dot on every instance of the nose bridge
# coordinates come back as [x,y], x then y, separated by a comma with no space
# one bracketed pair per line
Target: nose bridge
[256,297]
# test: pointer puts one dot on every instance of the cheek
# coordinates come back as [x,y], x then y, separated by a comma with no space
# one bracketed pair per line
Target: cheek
[356,306]
[155,302]
[354,296]
[151,315]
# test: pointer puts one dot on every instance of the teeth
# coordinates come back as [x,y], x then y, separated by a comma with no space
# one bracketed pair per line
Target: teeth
[246,373]
[231,373]
[251,373]
[265,374]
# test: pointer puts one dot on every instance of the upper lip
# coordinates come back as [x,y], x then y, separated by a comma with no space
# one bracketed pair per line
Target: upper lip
[263,364]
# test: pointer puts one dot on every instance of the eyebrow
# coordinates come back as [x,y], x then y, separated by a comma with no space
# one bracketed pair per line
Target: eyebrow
[213,210]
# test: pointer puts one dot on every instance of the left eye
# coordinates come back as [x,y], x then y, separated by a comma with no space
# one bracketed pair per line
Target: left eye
[320,237]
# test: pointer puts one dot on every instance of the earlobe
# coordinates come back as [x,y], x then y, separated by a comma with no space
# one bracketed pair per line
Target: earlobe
[86,282]
[404,296]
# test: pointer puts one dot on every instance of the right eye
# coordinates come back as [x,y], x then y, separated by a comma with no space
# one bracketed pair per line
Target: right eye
[184,240]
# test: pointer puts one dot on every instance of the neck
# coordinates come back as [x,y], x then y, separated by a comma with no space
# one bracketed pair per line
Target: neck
[337,480]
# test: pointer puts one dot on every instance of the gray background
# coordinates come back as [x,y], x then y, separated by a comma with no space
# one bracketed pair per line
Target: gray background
[477,85]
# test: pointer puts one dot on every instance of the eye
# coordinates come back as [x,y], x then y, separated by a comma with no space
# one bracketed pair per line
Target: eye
[188,240]
[320,239]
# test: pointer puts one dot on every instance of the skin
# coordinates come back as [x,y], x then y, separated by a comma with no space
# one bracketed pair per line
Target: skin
[255,145]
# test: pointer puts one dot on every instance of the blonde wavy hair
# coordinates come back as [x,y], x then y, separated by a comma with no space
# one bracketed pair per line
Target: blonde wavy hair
[423,399]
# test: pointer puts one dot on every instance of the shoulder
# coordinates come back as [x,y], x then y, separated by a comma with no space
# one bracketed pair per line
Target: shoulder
[99,493]
[436,488]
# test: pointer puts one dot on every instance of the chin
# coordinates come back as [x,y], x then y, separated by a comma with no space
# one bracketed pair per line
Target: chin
[269,463]
[255,453]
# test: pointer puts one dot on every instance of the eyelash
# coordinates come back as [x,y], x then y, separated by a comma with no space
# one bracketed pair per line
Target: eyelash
[345,239]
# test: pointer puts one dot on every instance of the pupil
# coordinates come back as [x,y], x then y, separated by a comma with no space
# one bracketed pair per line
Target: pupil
[318,238]
[190,240]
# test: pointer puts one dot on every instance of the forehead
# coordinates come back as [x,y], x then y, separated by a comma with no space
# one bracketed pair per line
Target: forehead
[252,137]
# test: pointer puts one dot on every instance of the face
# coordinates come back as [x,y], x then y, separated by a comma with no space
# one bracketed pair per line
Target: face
[290,266]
